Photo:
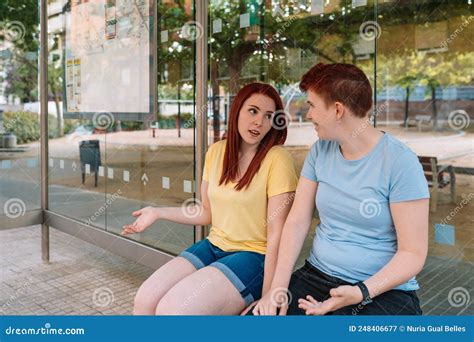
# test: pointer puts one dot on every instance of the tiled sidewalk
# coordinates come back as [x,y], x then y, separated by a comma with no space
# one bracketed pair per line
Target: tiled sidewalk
[83,279]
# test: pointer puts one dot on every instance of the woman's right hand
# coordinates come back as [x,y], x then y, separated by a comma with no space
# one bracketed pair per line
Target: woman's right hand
[145,218]
[275,302]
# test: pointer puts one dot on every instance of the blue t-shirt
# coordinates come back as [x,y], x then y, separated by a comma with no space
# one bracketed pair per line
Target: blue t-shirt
[356,237]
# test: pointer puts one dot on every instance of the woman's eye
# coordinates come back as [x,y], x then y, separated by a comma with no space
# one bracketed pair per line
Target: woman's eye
[253,111]
[269,116]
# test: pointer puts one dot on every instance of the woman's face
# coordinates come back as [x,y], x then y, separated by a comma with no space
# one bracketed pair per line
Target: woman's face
[255,118]
[323,117]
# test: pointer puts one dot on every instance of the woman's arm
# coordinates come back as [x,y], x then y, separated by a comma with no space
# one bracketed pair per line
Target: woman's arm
[196,214]
[294,233]
[278,208]
[411,224]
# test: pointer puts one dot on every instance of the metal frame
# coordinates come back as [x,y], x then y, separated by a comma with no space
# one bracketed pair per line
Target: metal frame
[44,150]
[115,243]
[112,242]
[201,101]
[152,84]
[30,218]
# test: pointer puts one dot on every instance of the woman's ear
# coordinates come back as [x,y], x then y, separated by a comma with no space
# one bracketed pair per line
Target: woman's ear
[340,111]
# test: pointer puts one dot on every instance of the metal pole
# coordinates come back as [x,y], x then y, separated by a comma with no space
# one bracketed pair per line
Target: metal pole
[375,66]
[43,85]
[201,100]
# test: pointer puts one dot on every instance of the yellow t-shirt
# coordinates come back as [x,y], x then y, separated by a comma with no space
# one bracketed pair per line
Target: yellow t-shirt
[239,217]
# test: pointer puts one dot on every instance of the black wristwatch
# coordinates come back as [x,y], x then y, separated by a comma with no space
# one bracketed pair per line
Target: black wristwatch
[365,293]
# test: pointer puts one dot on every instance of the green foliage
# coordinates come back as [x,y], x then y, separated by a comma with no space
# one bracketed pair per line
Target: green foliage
[26,13]
[432,70]
[70,125]
[130,125]
[26,126]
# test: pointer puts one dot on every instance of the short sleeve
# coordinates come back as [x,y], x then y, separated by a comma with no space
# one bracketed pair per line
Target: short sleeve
[207,164]
[309,166]
[282,176]
[407,181]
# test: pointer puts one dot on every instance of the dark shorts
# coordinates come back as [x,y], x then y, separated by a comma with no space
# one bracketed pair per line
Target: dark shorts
[243,269]
[308,280]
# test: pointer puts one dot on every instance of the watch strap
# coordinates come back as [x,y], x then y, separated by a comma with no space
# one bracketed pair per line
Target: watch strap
[365,293]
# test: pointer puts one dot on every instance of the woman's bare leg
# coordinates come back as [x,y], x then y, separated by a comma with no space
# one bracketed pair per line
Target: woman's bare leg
[159,283]
[205,292]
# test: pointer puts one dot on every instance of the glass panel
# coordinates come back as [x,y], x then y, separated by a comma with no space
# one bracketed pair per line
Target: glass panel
[425,60]
[151,162]
[76,165]
[277,42]
[118,150]
[19,110]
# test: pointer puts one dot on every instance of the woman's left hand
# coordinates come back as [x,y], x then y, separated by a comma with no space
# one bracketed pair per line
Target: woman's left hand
[340,297]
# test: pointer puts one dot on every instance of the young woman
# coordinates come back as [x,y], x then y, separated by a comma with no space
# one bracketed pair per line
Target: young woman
[247,190]
[372,199]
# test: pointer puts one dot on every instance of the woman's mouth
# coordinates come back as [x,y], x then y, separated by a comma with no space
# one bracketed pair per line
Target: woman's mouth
[254,133]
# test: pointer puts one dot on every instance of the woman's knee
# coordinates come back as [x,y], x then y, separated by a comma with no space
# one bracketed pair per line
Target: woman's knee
[142,305]
[170,304]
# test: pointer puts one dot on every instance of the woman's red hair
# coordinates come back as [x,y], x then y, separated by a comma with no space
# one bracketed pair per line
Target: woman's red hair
[276,135]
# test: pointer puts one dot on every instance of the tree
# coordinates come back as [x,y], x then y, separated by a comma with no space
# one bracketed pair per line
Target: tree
[19,22]
[411,68]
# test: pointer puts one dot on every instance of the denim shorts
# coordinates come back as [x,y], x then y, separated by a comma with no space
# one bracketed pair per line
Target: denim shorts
[243,269]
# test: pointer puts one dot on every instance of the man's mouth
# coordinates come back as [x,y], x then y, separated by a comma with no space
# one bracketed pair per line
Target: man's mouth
[254,133]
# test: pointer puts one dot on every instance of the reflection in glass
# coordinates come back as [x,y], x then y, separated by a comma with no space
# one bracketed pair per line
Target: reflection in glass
[19,111]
